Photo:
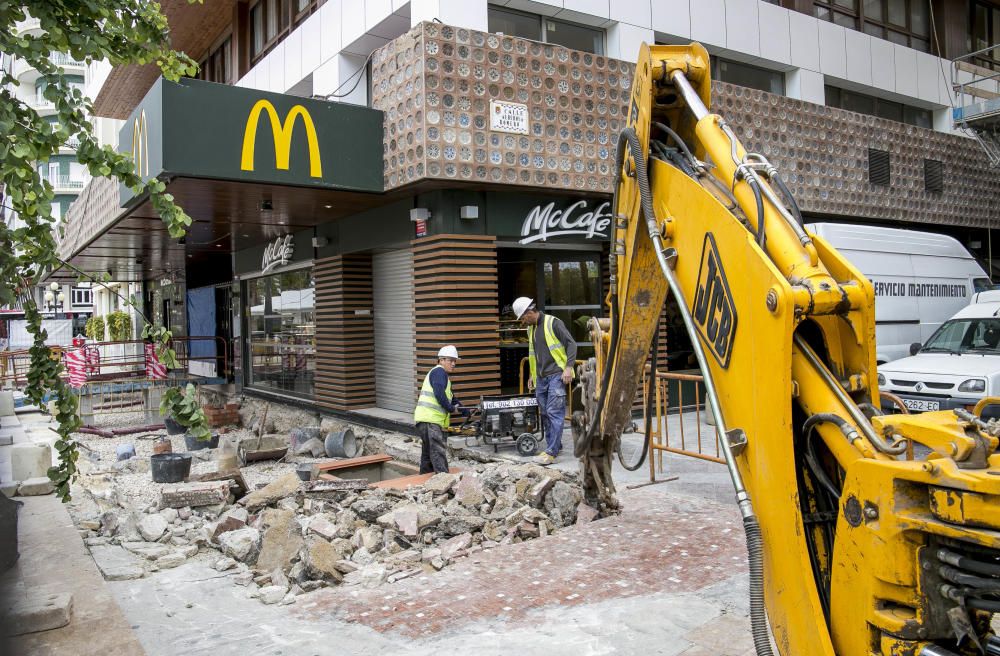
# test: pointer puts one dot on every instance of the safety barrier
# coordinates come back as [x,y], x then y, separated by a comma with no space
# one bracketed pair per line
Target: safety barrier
[660,439]
[117,360]
[134,395]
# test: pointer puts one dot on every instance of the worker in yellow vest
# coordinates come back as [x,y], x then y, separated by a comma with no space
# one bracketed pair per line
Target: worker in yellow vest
[433,412]
[551,355]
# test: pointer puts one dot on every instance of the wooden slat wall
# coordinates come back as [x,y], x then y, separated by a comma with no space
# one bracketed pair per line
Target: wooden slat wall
[455,292]
[345,340]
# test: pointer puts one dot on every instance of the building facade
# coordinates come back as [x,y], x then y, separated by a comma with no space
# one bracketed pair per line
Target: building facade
[337,291]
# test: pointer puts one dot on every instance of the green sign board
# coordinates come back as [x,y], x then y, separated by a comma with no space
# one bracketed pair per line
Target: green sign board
[201,129]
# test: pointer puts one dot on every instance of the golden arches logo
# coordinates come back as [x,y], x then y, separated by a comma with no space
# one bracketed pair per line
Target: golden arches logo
[282,133]
[140,144]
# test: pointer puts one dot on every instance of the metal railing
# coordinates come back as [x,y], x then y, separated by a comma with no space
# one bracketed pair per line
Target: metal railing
[117,360]
[137,395]
[660,439]
[62,59]
[66,181]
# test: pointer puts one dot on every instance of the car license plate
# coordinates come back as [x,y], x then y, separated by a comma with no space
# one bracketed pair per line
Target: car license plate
[920,405]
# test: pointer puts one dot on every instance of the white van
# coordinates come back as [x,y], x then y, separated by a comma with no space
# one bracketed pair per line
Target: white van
[921,279]
[958,366]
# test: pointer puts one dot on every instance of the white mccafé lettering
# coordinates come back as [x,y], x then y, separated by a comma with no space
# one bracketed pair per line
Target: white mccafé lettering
[544,222]
[278,253]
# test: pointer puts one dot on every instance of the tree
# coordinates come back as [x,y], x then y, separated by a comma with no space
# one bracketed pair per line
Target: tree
[122,32]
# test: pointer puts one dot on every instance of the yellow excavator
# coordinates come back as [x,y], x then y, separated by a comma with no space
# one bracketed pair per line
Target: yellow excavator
[868,533]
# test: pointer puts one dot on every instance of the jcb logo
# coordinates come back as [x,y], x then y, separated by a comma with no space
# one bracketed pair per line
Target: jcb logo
[140,144]
[714,310]
[282,133]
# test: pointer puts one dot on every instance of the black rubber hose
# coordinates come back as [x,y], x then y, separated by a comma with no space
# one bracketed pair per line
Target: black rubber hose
[983,604]
[796,212]
[677,140]
[758,613]
[977,566]
[761,234]
[650,389]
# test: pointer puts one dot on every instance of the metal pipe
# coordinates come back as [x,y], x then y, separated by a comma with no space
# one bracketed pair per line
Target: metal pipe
[934,650]
[691,97]
[859,417]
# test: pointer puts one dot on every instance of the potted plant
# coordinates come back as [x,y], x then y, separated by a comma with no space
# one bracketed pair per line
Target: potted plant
[95,328]
[120,326]
[183,408]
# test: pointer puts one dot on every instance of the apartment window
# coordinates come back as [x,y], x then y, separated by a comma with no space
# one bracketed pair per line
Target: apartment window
[747,75]
[865,104]
[984,31]
[271,20]
[906,22]
[217,66]
[547,30]
[81,296]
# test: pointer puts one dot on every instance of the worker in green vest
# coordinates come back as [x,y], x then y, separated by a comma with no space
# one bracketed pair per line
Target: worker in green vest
[552,356]
[433,412]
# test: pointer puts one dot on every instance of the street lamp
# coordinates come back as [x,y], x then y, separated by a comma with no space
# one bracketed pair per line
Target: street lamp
[54,299]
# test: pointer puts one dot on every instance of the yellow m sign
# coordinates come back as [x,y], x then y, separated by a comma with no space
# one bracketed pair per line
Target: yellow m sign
[282,137]
[140,144]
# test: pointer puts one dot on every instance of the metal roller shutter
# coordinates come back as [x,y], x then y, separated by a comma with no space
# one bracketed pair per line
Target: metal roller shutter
[394,341]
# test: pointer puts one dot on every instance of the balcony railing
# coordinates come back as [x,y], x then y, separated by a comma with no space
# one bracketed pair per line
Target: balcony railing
[40,102]
[66,181]
[62,59]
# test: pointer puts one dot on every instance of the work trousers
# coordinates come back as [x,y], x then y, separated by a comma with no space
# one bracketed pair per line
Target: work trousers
[433,448]
[551,394]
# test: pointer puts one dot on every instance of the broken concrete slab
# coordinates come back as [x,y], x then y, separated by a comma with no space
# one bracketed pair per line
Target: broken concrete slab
[39,613]
[242,544]
[194,495]
[282,487]
[441,483]
[282,539]
[320,559]
[34,487]
[116,564]
[152,527]
[323,527]
[147,550]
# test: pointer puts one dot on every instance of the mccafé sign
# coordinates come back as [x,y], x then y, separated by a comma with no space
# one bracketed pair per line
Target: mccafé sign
[584,219]
[197,129]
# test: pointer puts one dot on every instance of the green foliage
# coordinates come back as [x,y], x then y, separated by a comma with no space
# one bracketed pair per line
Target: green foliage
[95,328]
[122,32]
[184,408]
[119,326]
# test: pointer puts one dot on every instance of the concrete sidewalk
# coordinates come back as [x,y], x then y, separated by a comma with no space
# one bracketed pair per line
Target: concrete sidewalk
[53,559]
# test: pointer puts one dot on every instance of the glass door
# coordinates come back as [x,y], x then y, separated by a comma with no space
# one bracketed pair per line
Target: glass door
[570,285]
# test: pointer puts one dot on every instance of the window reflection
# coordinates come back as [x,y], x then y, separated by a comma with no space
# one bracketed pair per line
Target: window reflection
[282,332]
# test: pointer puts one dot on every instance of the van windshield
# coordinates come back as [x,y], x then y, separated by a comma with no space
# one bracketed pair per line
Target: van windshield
[966,336]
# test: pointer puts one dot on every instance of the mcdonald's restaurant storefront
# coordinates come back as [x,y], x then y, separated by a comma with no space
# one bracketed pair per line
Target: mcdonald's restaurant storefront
[327,289]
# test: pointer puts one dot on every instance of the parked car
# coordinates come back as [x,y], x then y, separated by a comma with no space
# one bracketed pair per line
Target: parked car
[920,278]
[955,368]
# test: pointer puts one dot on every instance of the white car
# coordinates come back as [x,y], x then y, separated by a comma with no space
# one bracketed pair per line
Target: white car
[958,366]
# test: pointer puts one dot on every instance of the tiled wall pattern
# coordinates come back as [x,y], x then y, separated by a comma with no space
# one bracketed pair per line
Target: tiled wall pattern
[435,84]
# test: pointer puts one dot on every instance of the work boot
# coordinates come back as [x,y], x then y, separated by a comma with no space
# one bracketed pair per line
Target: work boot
[544,459]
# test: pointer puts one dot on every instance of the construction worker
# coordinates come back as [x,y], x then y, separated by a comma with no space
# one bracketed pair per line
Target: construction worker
[551,355]
[433,412]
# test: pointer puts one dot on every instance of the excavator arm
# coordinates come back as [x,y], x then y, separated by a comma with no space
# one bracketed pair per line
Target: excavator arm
[867,534]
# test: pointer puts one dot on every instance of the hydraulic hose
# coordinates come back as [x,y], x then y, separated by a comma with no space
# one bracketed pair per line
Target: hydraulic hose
[979,567]
[759,200]
[677,140]
[796,212]
[650,389]
[758,614]
[755,551]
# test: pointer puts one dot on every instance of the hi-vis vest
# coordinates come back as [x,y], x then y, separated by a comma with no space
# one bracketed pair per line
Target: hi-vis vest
[428,409]
[556,349]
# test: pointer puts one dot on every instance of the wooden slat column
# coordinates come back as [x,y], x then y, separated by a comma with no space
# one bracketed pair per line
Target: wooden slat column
[455,301]
[345,332]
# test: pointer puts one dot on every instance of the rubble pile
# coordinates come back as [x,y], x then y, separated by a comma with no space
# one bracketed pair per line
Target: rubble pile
[291,536]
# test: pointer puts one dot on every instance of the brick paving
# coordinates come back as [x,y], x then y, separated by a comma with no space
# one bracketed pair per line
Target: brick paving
[659,544]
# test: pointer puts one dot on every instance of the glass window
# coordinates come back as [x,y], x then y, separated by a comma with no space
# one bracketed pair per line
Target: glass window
[865,104]
[897,12]
[907,20]
[257,29]
[282,332]
[572,293]
[271,19]
[514,23]
[747,75]
[966,335]
[575,37]
[873,10]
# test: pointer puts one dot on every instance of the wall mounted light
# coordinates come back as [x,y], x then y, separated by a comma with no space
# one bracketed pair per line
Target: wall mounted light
[469,212]
[420,214]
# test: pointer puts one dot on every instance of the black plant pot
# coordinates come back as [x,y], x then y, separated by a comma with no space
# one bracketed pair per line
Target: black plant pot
[173,428]
[194,444]
[169,467]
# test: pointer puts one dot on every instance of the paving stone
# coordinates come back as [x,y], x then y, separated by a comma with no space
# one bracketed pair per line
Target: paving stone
[34,487]
[116,564]
[40,613]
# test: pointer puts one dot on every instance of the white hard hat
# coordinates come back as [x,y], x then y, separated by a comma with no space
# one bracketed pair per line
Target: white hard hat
[521,305]
[448,352]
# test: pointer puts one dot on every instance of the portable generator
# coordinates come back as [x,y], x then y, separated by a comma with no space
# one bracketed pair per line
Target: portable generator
[511,419]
